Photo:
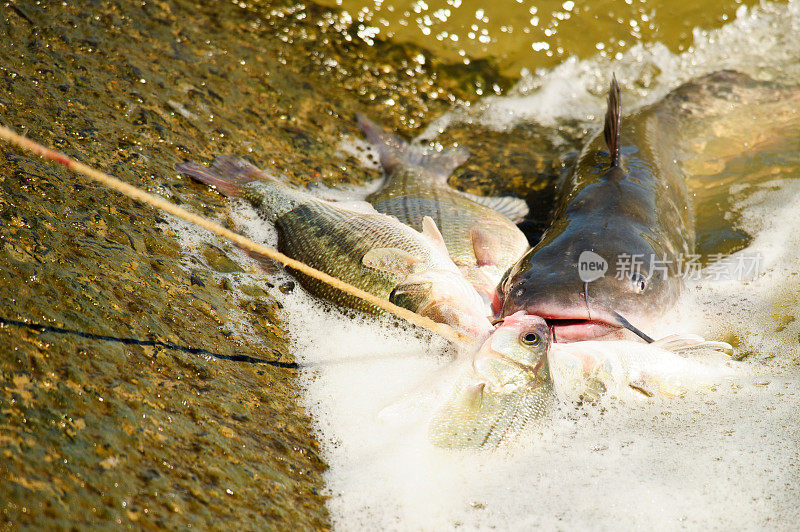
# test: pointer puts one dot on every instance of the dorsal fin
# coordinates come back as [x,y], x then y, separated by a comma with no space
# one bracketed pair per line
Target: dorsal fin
[514,209]
[431,231]
[611,129]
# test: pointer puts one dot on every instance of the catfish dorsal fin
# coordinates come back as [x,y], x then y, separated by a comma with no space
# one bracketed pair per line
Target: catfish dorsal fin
[611,128]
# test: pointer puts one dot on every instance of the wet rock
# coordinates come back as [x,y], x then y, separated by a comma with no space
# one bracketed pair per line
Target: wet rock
[124,399]
[196,278]
[219,261]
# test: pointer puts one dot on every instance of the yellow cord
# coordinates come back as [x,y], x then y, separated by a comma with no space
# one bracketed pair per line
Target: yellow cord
[160,203]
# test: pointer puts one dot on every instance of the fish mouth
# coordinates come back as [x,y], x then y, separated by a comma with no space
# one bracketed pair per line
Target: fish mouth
[575,326]
[578,329]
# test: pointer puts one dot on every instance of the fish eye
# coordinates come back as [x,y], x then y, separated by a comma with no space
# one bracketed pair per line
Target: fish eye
[531,339]
[638,283]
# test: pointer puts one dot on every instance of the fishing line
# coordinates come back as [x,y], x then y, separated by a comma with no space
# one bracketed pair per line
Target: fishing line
[138,194]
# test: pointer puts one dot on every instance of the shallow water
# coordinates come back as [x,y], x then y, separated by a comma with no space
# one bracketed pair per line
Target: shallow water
[724,456]
[131,393]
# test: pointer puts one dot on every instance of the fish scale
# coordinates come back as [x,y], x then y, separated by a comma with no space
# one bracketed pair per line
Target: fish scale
[456,216]
[335,241]
[480,239]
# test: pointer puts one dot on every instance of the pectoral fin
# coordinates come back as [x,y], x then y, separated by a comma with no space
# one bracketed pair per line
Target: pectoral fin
[457,423]
[390,260]
[687,344]
[642,386]
[483,242]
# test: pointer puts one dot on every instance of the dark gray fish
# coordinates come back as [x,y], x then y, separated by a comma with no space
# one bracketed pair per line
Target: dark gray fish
[636,207]
[362,247]
[627,210]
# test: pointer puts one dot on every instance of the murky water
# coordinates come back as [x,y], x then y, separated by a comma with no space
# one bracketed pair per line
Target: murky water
[148,371]
[724,458]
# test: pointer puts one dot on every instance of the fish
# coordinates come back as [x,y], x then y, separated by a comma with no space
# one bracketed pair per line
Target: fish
[631,371]
[519,375]
[480,232]
[623,226]
[356,244]
[506,389]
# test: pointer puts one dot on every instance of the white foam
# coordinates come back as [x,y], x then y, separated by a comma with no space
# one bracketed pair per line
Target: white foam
[362,150]
[724,458]
[727,458]
[769,300]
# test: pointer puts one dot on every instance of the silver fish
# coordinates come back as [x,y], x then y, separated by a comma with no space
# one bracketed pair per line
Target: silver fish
[479,232]
[506,389]
[631,371]
[362,247]
[519,374]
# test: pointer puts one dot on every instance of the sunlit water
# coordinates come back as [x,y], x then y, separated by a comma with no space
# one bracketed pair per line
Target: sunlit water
[520,34]
[726,457]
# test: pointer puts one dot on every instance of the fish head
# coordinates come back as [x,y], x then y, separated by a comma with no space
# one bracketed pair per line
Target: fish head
[445,296]
[507,388]
[515,353]
[595,284]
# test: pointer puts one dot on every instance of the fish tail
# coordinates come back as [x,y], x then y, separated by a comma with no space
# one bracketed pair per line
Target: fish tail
[394,151]
[227,173]
[611,128]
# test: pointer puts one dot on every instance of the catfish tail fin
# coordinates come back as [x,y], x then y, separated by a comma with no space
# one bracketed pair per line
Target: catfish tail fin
[227,173]
[394,151]
[611,128]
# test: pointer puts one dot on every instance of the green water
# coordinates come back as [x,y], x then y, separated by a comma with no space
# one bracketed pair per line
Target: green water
[126,400]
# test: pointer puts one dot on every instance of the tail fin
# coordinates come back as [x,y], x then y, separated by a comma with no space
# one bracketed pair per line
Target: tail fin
[227,173]
[611,129]
[394,151]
